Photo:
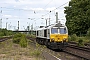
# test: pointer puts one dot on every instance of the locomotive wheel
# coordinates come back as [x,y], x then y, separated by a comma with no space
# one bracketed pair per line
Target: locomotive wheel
[47,43]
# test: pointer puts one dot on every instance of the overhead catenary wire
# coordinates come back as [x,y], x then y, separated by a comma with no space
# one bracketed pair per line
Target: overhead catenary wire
[35,11]
[48,3]
[18,9]
[56,8]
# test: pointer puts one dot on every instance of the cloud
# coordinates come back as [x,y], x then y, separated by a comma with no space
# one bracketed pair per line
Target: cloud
[50,9]
[7,16]
[35,3]
[17,0]
[23,9]
[36,8]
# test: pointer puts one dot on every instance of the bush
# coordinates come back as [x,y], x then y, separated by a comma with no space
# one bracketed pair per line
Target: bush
[73,37]
[16,38]
[69,38]
[35,53]
[88,33]
[23,41]
[5,32]
[20,39]
[80,42]
[33,36]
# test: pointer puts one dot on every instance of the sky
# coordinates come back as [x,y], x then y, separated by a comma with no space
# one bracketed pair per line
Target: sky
[30,12]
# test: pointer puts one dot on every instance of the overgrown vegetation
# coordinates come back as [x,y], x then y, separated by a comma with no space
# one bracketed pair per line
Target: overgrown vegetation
[20,39]
[73,37]
[33,36]
[88,34]
[23,41]
[5,32]
[80,42]
[17,37]
[35,53]
[13,51]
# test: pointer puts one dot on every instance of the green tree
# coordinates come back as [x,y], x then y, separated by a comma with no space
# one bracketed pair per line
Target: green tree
[78,16]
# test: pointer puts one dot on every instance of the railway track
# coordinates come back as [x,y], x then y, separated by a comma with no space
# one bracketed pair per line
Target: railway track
[5,38]
[30,38]
[80,48]
[80,52]
[85,45]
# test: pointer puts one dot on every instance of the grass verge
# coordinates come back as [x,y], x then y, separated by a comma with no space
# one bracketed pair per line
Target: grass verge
[12,51]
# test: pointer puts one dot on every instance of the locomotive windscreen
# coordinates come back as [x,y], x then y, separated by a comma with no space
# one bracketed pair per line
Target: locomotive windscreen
[62,30]
[54,30]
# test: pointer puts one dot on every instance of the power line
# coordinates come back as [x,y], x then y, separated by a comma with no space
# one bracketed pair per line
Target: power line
[61,5]
[48,3]
[18,9]
[57,8]
[34,11]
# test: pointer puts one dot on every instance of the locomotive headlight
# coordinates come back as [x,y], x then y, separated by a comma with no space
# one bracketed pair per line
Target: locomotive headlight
[52,39]
[64,39]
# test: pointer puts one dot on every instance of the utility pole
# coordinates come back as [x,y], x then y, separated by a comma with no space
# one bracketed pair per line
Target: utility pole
[29,26]
[1,19]
[1,23]
[14,27]
[46,22]
[18,25]
[49,20]
[56,17]
[6,22]
[6,25]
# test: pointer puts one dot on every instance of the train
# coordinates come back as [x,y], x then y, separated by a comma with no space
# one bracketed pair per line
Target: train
[54,36]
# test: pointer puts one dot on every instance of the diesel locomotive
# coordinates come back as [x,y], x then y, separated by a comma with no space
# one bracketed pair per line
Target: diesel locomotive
[54,36]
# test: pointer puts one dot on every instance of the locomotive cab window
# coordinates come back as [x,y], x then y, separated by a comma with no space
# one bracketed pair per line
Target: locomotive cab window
[54,30]
[62,31]
[45,33]
[37,33]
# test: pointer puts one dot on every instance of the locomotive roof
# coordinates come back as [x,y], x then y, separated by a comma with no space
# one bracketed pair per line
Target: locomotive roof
[52,25]
[55,25]
[41,28]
